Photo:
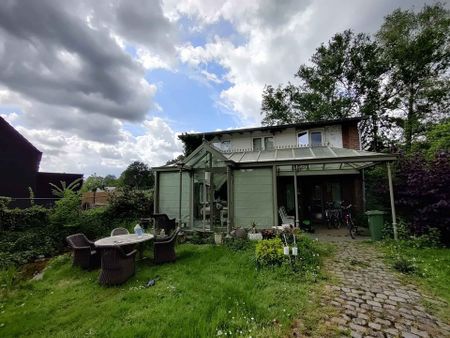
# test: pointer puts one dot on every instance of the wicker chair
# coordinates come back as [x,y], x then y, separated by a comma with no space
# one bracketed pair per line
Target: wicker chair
[117,265]
[85,255]
[162,221]
[119,231]
[164,249]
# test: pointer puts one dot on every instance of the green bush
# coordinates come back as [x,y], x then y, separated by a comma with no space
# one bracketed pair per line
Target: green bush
[128,203]
[404,265]
[66,209]
[237,244]
[35,216]
[269,252]
[430,239]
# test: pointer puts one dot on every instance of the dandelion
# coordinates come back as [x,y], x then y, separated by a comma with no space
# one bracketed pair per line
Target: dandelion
[252,318]
[219,333]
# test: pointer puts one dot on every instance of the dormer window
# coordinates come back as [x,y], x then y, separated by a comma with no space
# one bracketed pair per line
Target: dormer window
[316,138]
[263,143]
[225,145]
[310,138]
[303,139]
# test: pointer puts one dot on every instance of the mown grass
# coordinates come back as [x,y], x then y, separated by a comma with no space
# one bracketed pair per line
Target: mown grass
[209,291]
[431,269]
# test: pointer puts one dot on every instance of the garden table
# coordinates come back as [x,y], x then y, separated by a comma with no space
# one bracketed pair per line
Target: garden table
[121,240]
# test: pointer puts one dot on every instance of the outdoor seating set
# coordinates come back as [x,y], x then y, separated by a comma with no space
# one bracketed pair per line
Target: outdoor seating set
[116,255]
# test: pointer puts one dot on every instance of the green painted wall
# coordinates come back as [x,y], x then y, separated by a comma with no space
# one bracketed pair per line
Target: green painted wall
[169,191]
[253,197]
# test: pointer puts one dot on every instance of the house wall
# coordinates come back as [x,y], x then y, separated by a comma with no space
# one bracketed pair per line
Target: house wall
[253,197]
[332,136]
[350,136]
[169,192]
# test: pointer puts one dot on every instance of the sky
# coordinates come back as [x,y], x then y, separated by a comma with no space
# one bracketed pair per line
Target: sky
[96,85]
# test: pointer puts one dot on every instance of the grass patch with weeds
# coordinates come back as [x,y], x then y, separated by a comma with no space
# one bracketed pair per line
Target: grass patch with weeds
[209,291]
[426,267]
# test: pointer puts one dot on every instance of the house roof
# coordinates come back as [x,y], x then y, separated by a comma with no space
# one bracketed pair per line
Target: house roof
[9,131]
[300,125]
[311,159]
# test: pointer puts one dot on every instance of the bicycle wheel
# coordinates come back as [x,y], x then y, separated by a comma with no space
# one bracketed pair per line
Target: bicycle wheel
[352,229]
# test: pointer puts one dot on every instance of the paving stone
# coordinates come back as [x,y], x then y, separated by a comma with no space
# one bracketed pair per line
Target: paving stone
[363,316]
[357,328]
[409,335]
[372,302]
[383,321]
[419,332]
[375,326]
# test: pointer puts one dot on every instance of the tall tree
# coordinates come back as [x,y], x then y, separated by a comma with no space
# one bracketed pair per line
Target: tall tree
[138,175]
[416,47]
[342,80]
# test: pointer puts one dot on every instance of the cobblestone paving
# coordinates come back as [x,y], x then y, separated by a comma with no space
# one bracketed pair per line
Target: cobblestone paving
[372,302]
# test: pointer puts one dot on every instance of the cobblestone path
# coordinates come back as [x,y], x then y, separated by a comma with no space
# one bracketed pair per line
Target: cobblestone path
[372,302]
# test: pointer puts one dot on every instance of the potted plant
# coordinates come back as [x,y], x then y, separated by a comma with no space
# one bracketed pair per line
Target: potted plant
[253,235]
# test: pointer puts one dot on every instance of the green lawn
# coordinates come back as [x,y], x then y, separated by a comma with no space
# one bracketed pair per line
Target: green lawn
[209,291]
[433,270]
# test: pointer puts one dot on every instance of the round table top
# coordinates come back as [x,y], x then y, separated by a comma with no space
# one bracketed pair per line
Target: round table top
[123,240]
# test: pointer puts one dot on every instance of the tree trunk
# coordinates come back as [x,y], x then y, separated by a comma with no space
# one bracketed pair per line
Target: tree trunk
[409,120]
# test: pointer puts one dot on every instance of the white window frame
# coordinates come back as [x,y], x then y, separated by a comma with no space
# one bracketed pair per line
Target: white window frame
[308,133]
[263,146]
[319,130]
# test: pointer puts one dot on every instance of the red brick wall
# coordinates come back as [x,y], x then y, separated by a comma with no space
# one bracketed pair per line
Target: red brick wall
[350,135]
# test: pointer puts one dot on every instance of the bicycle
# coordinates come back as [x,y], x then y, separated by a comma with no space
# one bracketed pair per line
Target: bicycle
[348,220]
[332,216]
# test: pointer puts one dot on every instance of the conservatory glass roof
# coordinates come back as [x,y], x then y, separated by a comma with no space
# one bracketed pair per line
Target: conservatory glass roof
[318,158]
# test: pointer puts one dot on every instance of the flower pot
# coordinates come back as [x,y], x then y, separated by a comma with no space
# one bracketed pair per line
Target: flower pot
[294,251]
[286,250]
[255,237]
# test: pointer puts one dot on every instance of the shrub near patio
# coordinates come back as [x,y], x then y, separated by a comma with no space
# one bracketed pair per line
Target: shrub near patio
[37,233]
[210,291]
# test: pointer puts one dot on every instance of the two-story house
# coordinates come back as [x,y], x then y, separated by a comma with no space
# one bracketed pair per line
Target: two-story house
[242,177]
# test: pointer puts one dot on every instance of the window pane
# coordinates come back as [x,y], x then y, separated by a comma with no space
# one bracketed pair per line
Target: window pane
[303,139]
[257,146]
[316,138]
[268,143]
[226,145]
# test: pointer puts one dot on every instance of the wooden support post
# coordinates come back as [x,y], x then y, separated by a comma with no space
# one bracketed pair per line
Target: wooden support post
[391,194]
[297,221]
[191,200]
[180,197]
[275,195]
[229,200]
[211,194]
[156,194]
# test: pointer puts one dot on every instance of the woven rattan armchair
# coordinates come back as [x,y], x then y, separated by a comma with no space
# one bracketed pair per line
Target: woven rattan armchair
[119,231]
[162,221]
[164,249]
[85,255]
[117,265]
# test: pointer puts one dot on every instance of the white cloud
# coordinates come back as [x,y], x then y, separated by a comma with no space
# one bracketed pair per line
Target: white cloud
[278,37]
[65,152]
